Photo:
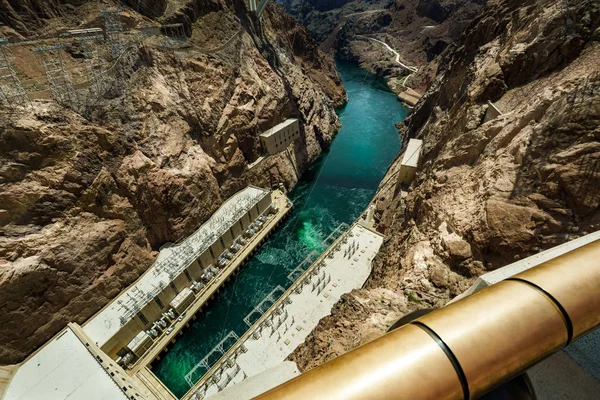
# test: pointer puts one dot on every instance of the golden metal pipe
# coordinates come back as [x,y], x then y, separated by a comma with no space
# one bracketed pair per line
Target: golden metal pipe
[573,280]
[478,342]
[495,334]
[402,364]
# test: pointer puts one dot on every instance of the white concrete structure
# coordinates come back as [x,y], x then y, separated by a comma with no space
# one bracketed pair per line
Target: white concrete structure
[140,344]
[278,138]
[259,384]
[182,300]
[64,369]
[343,267]
[176,268]
[410,162]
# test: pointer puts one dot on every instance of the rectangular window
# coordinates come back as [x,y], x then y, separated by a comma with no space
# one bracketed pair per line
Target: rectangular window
[160,303]
[143,318]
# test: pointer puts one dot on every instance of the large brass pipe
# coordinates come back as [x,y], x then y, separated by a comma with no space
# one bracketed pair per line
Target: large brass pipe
[468,348]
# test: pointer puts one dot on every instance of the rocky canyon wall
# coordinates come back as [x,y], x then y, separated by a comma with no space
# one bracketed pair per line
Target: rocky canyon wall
[422,31]
[90,191]
[489,190]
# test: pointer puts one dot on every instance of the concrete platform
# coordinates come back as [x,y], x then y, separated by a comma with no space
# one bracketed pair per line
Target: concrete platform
[258,384]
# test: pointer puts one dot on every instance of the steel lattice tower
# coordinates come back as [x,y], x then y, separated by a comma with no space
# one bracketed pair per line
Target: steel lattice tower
[95,65]
[11,89]
[113,29]
[59,78]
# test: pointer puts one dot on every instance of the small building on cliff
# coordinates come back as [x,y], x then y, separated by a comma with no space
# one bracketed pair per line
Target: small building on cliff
[410,162]
[280,136]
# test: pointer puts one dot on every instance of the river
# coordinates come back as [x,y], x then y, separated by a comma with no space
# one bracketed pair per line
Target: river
[335,189]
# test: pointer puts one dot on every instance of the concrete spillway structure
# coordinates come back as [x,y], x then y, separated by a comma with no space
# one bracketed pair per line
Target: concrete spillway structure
[144,306]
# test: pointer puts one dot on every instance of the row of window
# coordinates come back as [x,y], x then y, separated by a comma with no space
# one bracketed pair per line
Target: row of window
[288,136]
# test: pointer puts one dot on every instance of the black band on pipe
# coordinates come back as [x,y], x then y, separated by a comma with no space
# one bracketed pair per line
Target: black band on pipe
[562,310]
[453,360]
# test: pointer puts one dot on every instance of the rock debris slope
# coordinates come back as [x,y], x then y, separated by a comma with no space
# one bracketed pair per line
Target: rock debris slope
[89,192]
[489,191]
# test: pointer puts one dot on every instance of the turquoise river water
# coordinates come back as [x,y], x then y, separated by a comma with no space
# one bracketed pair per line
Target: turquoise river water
[335,189]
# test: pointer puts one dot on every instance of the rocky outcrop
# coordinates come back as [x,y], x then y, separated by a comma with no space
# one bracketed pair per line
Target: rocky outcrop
[489,192]
[90,191]
[24,16]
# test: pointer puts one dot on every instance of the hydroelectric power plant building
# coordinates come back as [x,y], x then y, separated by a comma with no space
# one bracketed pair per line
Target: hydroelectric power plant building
[71,365]
[125,328]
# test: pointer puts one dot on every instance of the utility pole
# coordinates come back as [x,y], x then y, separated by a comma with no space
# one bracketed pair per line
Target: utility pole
[11,89]
[566,17]
[59,78]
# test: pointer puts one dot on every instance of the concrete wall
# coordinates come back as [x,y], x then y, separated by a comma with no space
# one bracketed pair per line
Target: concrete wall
[195,270]
[181,282]
[217,248]
[254,213]
[265,203]
[227,238]
[406,174]
[280,140]
[246,221]
[205,259]
[127,332]
[237,229]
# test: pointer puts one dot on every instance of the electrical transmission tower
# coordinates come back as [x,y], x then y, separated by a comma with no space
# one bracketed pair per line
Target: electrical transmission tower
[59,78]
[11,89]
[113,29]
[95,65]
